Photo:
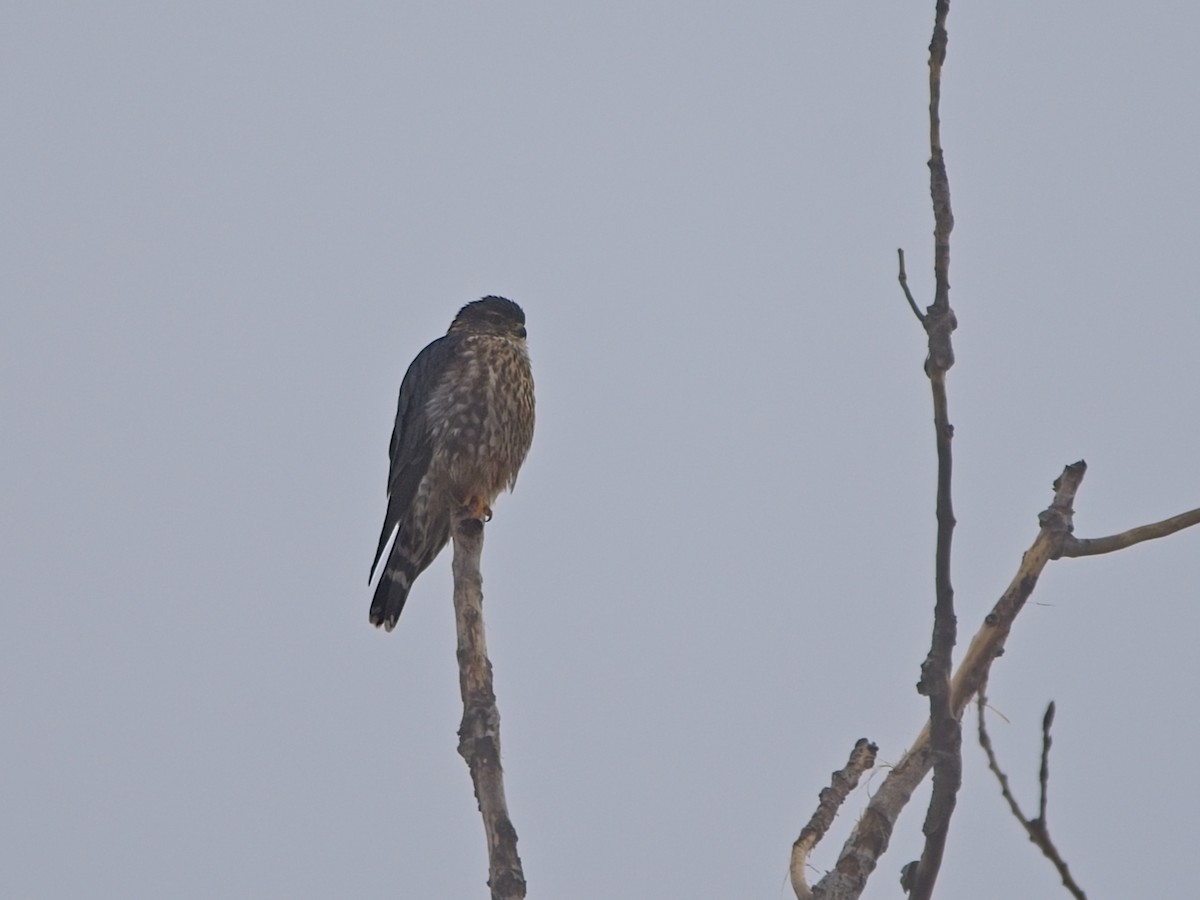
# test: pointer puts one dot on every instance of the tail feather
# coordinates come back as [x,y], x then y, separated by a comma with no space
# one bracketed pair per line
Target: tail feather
[390,594]
[411,555]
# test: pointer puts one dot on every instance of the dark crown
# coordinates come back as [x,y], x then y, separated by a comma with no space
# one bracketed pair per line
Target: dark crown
[493,314]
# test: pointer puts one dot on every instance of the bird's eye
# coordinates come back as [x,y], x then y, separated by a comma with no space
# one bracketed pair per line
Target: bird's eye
[521,332]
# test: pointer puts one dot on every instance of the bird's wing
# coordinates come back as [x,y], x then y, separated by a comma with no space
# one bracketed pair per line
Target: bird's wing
[412,448]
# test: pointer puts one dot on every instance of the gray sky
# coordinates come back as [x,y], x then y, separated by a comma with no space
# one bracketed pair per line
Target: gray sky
[229,227]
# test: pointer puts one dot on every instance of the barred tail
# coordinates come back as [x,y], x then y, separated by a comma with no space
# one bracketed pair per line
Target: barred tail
[408,559]
[390,594]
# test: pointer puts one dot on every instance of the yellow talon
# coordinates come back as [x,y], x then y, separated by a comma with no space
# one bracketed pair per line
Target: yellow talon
[477,509]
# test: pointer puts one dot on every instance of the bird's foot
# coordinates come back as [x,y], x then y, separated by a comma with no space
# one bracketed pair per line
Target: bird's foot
[475,508]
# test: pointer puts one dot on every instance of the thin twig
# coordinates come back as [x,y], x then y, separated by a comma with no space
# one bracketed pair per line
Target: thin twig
[862,758]
[903,279]
[1095,546]
[985,741]
[479,733]
[1037,829]
[1044,769]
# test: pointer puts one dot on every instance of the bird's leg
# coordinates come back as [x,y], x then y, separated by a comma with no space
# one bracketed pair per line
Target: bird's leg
[477,509]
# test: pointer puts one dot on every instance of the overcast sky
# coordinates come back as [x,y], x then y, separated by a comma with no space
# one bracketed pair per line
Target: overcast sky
[228,228]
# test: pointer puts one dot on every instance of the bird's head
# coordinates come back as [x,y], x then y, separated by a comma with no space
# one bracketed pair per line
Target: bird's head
[491,315]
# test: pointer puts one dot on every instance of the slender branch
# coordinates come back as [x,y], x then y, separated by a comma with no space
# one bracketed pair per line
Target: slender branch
[1037,829]
[939,181]
[903,279]
[1044,769]
[985,741]
[1095,546]
[939,323]
[862,758]
[479,733]
[945,726]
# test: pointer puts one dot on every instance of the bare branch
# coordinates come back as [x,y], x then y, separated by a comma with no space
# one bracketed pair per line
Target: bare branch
[1044,769]
[939,182]
[938,746]
[479,733]
[872,833]
[1095,546]
[945,727]
[862,758]
[903,279]
[869,839]
[939,323]
[1037,829]
[985,741]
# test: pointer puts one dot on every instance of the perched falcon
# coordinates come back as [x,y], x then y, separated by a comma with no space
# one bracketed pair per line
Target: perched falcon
[463,427]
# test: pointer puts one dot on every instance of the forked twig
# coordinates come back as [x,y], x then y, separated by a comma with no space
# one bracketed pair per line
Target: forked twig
[1037,829]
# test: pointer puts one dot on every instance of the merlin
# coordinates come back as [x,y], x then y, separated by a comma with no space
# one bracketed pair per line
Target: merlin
[464,423]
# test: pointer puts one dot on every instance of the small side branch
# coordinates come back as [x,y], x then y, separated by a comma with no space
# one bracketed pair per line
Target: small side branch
[1037,829]
[1044,769]
[903,279]
[845,780]
[1095,546]
[479,733]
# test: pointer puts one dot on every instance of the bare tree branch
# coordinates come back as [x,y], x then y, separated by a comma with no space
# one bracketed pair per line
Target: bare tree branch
[1037,829]
[939,744]
[479,733]
[869,839]
[939,323]
[862,758]
[939,181]
[945,726]
[1095,546]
